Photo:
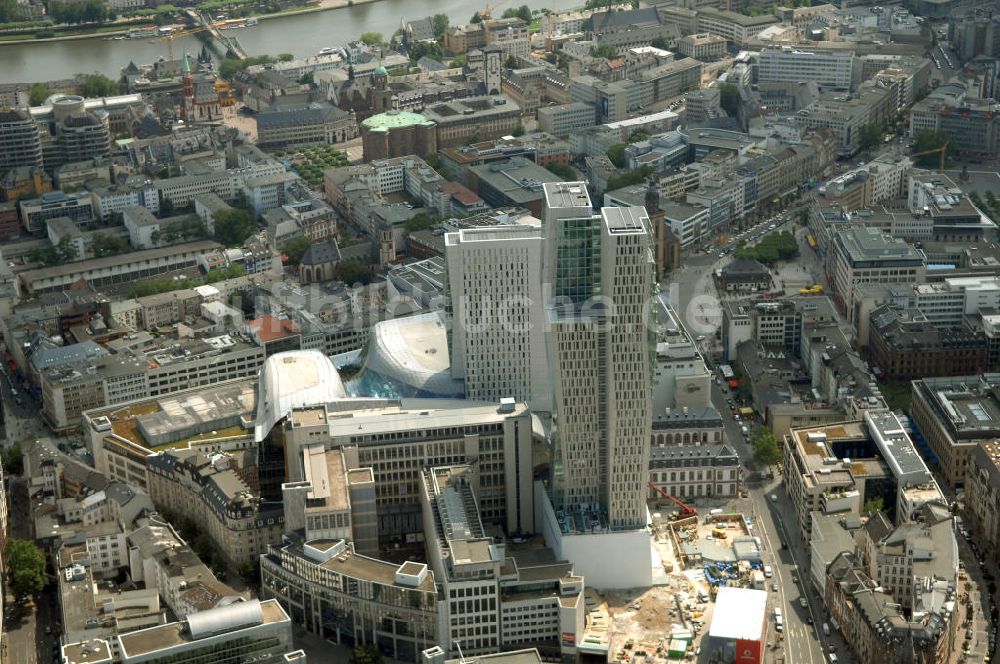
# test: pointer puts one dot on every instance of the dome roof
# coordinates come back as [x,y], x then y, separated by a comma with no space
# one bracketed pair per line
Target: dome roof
[408,357]
[395,119]
[293,379]
[381,71]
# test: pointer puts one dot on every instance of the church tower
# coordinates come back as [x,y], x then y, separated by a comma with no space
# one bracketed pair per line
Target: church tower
[494,67]
[187,110]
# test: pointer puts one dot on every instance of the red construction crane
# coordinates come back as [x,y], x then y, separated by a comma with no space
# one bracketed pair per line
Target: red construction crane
[686,510]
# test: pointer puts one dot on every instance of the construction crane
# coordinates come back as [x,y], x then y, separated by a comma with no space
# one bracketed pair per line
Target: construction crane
[686,510]
[487,13]
[943,150]
[169,38]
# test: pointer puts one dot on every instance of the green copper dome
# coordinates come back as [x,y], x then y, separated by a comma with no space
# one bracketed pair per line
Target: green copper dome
[394,120]
[381,71]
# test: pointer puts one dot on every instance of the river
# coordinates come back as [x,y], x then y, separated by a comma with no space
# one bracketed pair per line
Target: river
[301,35]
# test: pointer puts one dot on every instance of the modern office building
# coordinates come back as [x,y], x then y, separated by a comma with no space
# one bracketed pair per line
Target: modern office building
[20,144]
[77,206]
[600,269]
[973,124]
[497,335]
[254,630]
[953,415]
[829,69]
[702,46]
[864,255]
[564,119]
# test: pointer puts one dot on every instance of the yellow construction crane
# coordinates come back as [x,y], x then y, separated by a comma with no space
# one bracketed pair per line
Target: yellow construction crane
[487,13]
[169,38]
[943,150]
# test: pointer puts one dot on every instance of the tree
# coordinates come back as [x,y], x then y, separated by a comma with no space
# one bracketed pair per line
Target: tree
[39,93]
[870,136]
[930,139]
[765,448]
[233,226]
[352,272]
[439,22]
[459,61]
[104,244]
[659,42]
[476,18]
[285,57]
[511,62]
[307,78]
[873,505]
[295,248]
[729,99]
[9,11]
[366,655]
[564,172]
[25,568]
[523,12]
[13,462]
[616,153]
[598,4]
[420,222]
[373,38]
[166,207]
[430,49]
[628,179]
[606,51]
[97,85]
[231,272]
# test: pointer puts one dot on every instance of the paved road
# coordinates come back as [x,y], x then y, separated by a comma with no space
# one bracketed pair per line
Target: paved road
[692,293]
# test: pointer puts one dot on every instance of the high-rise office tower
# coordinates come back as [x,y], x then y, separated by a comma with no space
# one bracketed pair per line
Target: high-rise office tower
[497,331]
[20,144]
[600,270]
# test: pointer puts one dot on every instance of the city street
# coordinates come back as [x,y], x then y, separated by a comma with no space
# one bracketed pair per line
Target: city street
[694,297]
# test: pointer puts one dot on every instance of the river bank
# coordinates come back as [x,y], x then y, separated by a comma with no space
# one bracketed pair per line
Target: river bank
[104,32]
[98,33]
[302,35]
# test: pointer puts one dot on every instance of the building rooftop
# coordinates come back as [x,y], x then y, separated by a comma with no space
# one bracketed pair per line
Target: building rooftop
[92,651]
[866,245]
[528,656]
[739,613]
[567,195]
[292,379]
[395,119]
[232,619]
[968,406]
[896,447]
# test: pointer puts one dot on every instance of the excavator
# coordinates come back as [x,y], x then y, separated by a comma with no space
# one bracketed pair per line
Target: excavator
[686,510]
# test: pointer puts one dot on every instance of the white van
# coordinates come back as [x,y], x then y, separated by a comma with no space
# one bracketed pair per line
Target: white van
[768,572]
[826,629]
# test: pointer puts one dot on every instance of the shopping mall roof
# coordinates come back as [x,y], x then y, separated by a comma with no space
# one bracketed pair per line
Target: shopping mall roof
[293,379]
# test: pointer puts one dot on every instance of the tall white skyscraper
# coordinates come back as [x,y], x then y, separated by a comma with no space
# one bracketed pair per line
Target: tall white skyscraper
[601,272]
[497,331]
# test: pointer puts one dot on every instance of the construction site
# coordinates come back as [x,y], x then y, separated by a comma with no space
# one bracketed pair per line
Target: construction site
[702,550]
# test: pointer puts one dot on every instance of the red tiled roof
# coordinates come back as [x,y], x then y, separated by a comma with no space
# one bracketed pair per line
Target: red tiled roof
[268,328]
